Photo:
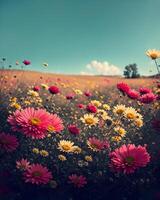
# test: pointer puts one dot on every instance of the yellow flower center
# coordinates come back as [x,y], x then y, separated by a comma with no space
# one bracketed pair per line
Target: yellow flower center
[89,121]
[66,147]
[129,160]
[130,116]
[119,111]
[35,121]
[37,174]
[51,129]
[153,56]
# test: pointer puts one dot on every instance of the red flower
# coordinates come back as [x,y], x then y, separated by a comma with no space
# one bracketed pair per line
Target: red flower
[22,164]
[54,90]
[123,87]
[88,94]
[91,108]
[36,88]
[8,142]
[144,90]
[128,158]
[26,62]
[81,106]
[147,98]
[37,174]
[133,94]
[78,181]
[70,96]
[73,129]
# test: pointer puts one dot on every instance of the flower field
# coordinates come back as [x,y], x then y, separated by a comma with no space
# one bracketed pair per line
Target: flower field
[78,137]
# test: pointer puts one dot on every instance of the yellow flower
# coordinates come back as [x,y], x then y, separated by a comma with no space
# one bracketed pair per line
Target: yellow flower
[78,91]
[102,113]
[89,119]
[27,102]
[65,146]
[33,93]
[121,131]
[96,103]
[51,129]
[76,149]
[62,157]
[106,107]
[44,153]
[130,113]
[119,109]
[88,158]
[116,138]
[153,54]
[13,99]
[35,150]
[138,122]
[44,86]
[15,105]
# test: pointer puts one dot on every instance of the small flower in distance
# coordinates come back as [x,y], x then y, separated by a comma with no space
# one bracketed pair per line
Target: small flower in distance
[91,108]
[74,129]
[54,89]
[88,158]
[36,88]
[35,150]
[133,94]
[22,164]
[62,157]
[26,62]
[81,106]
[44,153]
[88,94]
[78,181]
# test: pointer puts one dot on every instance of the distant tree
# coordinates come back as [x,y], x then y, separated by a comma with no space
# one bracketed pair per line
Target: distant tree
[131,71]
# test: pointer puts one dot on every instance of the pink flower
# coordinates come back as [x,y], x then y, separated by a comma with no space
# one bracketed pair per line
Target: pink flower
[128,158]
[73,129]
[91,108]
[70,96]
[147,98]
[8,142]
[133,94]
[56,124]
[123,87]
[106,144]
[34,123]
[37,174]
[54,90]
[26,62]
[36,88]
[88,94]
[81,106]
[22,164]
[78,181]
[144,90]
[95,144]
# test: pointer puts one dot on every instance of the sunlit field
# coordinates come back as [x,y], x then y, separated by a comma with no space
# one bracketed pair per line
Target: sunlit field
[78,137]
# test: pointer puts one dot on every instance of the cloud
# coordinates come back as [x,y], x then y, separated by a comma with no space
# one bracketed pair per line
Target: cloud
[101,68]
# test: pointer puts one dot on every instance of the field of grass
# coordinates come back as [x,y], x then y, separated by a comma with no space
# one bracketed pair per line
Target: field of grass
[87,137]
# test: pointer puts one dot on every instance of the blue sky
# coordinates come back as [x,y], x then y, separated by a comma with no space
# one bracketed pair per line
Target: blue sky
[70,34]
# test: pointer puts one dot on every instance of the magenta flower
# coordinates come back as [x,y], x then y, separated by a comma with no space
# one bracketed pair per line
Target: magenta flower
[26,62]
[144,90]
[123,87]
[8,142]
[54,90]
[22,164]
[147,98]
[37,174]
[74,129]
[133,94]
[77,181]
[91,108]
[128,158]
[88,94]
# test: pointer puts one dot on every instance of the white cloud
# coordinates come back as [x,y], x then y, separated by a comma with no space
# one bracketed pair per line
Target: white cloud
[101,68]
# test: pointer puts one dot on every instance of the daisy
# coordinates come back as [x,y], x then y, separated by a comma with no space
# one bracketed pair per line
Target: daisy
[89,120]
[95,144]
[22,164]
[153,54]
[130,113]
[8,142]
[128,158]
[121,131]
[119,109]
[96,103]
[66,146]
[78,181]
[37,174]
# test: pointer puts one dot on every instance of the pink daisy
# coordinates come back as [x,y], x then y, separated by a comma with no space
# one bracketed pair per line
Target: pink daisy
[128,158]
[22,164]
[34,123]
[8,142]
[123,87]
[147,98]
[56,124]
[133,94]
[37,174]
[91,108]
[95,144]
[78,181]
[74,129]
